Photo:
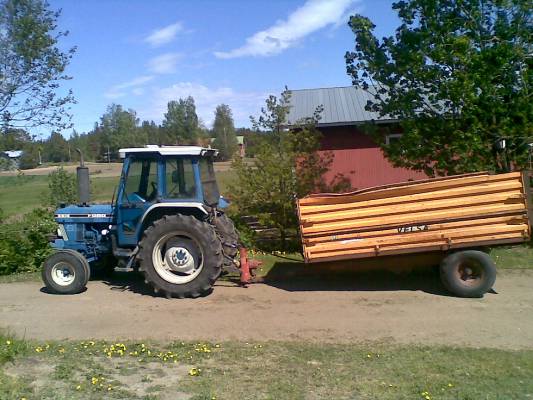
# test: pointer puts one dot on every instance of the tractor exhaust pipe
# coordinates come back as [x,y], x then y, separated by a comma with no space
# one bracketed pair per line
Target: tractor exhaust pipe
[82,173]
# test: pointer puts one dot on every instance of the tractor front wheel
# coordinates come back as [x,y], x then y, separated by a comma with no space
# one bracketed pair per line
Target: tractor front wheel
[65,272]
[180,256]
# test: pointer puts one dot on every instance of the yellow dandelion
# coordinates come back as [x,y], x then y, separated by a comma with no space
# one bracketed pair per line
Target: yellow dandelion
[450,385]
[78,387]
[8,342]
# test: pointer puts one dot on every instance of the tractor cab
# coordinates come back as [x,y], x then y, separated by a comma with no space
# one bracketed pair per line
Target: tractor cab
[157,179]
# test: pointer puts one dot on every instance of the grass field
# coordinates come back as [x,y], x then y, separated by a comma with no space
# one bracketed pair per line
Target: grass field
[270,370]
[20,194]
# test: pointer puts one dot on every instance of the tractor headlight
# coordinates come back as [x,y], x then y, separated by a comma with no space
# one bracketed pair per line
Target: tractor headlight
[61,232]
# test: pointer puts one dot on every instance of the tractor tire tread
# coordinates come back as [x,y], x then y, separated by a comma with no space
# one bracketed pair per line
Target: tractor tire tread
[203,283]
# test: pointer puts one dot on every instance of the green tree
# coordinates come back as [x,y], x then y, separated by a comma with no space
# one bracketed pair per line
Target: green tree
[224,132]
[30,155]
[62,188]
[457,74]
[151,132]
[181,122]
[32,66]
[55,148]
[286,166]
[77,141]
[14,139]
[118,128]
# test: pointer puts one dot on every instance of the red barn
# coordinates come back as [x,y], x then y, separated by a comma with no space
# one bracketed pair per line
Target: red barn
[356,155]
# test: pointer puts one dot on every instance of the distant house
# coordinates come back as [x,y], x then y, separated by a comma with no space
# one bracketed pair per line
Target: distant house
[242,146]
[240,142]
[11,158]
[356,155]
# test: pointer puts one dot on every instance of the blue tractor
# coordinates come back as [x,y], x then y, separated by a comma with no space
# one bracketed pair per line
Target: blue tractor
[167,221]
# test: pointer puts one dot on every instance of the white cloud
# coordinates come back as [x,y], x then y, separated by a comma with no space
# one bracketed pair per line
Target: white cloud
[164,64]
[243,104]
[164,35]
[121,89]
[312,16]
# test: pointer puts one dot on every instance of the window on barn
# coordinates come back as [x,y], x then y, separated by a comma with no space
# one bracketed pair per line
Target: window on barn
[393,137]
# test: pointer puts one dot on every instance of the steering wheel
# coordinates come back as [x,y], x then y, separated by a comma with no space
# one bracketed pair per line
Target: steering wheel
[152,195]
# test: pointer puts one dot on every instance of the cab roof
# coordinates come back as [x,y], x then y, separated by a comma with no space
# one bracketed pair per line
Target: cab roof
[169,150]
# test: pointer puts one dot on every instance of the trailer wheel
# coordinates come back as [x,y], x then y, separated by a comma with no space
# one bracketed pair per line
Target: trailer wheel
[65,272]
[468,273]
[180,256]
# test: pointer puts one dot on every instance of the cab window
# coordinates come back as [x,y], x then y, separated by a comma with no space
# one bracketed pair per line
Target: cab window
[141,183]
[179,177]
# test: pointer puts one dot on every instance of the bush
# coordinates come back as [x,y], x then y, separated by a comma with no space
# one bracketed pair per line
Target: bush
[24,242]
[62,188]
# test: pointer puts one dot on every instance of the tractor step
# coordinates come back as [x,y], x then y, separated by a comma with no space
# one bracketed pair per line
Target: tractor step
[123,269]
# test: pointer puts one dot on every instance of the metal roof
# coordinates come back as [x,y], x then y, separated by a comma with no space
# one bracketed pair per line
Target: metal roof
[342,106]
[169,150]
[13,153]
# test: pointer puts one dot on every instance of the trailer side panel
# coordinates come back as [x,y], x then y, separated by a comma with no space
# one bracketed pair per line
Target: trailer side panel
[453,212]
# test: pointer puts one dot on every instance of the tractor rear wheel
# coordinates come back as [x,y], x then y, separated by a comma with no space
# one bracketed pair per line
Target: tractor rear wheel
[228,236]
[180,256]
[65,272]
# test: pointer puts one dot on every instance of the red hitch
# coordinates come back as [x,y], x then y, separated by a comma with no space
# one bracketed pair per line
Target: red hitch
[247,266]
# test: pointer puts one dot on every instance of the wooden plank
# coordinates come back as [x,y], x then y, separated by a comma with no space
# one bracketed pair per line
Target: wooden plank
[510,220]
[484,188]
[406,189]
[526,181]
[492,198]
[416,218]
[437,245]
[418,238]
[493,242]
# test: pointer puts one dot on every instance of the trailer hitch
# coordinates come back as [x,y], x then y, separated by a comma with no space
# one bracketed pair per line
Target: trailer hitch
[247,267]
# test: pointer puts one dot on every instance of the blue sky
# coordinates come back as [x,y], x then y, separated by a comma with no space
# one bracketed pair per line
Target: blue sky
[141,54]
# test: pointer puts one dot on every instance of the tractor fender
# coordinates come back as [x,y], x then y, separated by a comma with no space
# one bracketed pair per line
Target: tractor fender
[159,210]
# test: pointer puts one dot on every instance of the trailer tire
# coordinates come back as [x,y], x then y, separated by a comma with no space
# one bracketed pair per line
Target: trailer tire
[65,272]
[228,236]
[180,256]
[469,273]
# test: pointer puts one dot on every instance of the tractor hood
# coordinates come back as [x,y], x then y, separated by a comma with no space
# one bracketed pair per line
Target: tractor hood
[98,213]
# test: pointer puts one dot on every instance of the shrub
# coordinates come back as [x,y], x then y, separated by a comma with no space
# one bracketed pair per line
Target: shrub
[62,188]
[24,242]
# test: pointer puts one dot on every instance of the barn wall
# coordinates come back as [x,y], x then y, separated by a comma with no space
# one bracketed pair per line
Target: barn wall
[360,159]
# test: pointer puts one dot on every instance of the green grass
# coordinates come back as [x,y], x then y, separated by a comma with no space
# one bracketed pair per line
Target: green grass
[267,370]
[513,257]
[21,277]
[21,194]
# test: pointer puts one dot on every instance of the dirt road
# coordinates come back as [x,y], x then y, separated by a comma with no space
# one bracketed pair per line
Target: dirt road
[406,310]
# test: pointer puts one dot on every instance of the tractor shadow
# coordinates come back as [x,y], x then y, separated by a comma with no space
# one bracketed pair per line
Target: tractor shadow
[127,281]
[132,282]
[380,274]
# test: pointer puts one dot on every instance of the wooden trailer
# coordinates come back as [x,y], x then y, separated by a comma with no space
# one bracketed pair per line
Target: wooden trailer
[454,214]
